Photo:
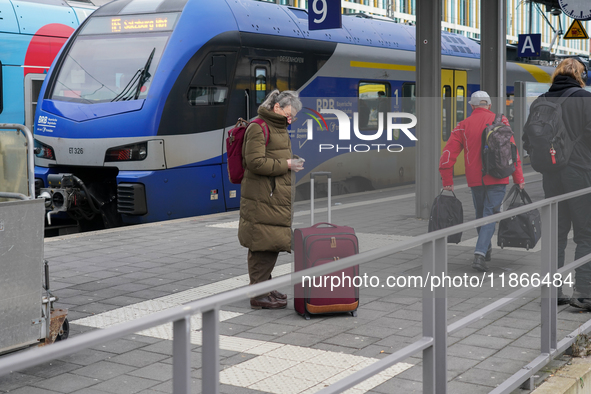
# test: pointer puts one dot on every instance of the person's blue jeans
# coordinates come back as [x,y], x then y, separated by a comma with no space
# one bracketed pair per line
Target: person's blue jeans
[485,207]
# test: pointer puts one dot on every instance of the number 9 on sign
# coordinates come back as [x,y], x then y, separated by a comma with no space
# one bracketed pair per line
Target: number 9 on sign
[322,12]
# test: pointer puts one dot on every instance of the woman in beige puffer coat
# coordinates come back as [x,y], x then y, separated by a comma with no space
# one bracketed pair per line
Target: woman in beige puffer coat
[265,203]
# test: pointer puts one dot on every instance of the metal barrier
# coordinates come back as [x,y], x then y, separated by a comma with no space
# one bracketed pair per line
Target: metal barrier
[30,161]
[435,328]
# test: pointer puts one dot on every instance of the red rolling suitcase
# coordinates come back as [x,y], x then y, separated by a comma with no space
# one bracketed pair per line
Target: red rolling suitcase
[321,244]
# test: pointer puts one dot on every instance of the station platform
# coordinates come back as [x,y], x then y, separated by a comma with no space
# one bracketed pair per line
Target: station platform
[107,277]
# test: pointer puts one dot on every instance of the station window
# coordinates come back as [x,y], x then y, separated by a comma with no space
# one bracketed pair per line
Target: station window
[460,104]
[374,98]
[446,113]
[260,75]
[208,95]
[409,98]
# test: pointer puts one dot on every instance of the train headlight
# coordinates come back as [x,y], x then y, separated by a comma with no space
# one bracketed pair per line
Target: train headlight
[44,151]
[134,152]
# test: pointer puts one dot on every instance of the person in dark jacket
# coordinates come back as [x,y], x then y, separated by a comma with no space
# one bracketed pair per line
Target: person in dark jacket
[265,202]
[575,212]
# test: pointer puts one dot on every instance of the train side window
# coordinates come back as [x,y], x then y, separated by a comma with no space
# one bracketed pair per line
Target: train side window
[446,113]
[33,83]
[260,75]
[409,98]
[460,104]
[207,95]
[374,98]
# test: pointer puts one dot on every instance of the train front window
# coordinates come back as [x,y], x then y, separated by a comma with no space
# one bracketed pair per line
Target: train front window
[106,68]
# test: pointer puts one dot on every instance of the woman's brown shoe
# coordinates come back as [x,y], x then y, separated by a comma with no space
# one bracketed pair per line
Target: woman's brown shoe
[268,302]
[278,295]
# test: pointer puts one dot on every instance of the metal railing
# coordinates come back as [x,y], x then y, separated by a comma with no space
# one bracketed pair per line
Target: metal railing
[433,344]
[30,161]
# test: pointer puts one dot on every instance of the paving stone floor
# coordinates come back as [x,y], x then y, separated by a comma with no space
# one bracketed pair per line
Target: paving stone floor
[109,276]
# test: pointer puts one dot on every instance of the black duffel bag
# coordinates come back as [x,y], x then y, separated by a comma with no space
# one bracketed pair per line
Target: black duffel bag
[523,230]
[446,211]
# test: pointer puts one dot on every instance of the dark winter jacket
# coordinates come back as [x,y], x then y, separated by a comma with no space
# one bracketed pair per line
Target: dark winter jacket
[265,202]
[576,114]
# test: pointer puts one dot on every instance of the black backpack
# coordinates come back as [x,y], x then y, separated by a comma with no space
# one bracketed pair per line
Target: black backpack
[544,135]
[499,154]
[446,211]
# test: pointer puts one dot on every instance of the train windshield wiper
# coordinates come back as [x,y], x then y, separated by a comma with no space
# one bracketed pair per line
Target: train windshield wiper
[144,75]
[140,77]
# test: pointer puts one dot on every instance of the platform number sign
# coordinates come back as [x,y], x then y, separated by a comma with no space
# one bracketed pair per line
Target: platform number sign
[529,45]
[324,14]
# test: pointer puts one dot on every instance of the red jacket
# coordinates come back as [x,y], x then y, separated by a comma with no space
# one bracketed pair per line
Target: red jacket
[468,136]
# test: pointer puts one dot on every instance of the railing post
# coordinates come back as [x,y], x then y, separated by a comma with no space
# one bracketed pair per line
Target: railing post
[211,352]
[181,360]
[435,317]
[549,256]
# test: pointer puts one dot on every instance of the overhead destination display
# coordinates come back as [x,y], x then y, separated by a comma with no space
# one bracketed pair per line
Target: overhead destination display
[119,24]
[131,23]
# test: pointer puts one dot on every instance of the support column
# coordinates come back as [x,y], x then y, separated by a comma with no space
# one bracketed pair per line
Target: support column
[428,75]
[181,356]
[493,52]
[210,349]
[435,318]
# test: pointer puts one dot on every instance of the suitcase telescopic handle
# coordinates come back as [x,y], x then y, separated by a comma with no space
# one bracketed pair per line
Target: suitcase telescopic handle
[325,224]
[313,175]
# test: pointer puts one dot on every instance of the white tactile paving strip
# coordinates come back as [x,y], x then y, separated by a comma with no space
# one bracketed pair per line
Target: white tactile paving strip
[279,367]
[366,241]
[472,243]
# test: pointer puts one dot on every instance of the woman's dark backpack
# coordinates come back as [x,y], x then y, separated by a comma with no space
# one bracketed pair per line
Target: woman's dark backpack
[499,153]
[446,211]
[545,137]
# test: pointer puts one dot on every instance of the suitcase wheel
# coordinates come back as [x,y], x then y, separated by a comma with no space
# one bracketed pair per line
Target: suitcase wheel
[354,313]
[502,244]
[307,316]
[527,245]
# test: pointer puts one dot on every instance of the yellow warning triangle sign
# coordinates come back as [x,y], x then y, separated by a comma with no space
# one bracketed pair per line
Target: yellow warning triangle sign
[576,31]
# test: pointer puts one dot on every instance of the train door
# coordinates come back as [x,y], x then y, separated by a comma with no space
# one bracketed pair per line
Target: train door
[453,108]
[33,84]
[260,72]
[260,75]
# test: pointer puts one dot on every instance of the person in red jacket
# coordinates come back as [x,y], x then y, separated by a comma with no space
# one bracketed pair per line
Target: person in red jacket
[467,136]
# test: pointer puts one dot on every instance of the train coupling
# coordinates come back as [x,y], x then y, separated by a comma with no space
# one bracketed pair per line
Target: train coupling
[67,193]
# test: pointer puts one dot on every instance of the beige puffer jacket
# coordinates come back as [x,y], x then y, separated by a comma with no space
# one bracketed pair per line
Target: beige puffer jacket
[265,203]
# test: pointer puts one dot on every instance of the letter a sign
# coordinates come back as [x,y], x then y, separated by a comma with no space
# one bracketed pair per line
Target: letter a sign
[529,45]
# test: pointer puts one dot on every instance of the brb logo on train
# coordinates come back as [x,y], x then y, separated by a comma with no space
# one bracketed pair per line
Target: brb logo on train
[328,127]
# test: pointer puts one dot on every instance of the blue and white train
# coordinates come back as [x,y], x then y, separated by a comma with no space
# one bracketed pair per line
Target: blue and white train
[131,120]
[31,35]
